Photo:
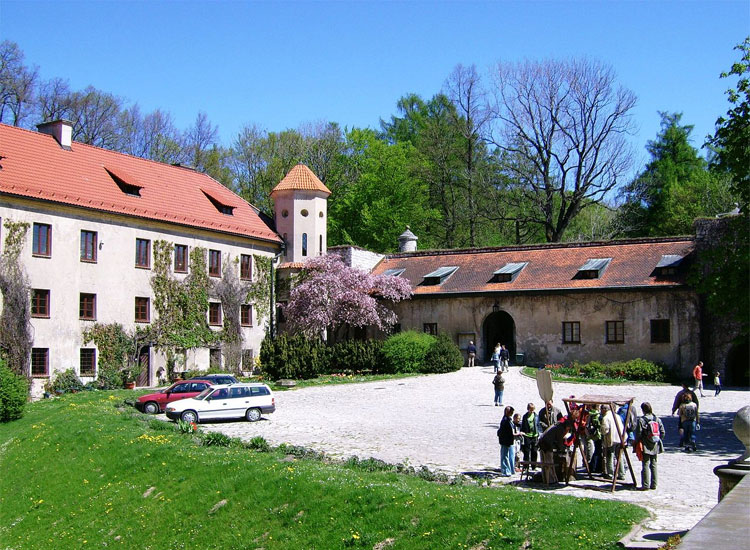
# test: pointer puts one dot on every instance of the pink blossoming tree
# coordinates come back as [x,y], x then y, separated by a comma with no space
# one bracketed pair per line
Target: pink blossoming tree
[330,295]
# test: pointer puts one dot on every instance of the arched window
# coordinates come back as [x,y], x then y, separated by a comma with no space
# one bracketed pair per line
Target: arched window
[304,244]
[320,249]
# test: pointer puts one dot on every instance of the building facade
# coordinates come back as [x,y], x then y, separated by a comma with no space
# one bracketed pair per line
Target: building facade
[93,218]
[558,303]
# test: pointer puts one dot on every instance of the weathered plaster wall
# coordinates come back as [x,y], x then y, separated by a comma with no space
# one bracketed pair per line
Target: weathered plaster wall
[538,323]
[113,278]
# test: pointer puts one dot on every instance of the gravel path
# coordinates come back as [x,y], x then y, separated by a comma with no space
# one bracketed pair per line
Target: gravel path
[447,423]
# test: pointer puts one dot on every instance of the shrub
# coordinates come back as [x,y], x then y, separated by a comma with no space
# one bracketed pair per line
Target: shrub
[65,382]
[215,439]
[186,427]
[634,369]
[293,357]
[14,392]
[443,356]
[405,352]
[109,377]
[355,355]
[259,444]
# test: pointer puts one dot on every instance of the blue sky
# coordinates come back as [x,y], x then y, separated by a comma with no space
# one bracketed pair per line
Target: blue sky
[281,64]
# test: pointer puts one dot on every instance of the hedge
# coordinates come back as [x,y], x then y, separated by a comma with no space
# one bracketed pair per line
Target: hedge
[298,358]
[14,392]
[634,369]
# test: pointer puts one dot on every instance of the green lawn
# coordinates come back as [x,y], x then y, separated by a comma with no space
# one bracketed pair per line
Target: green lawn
[81,472]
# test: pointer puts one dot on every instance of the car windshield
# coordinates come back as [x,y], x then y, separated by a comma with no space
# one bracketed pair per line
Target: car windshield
[202,395]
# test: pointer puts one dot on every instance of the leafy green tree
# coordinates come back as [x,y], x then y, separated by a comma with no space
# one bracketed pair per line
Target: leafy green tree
[675,187]
[732,138]
[723,271]
[380,196]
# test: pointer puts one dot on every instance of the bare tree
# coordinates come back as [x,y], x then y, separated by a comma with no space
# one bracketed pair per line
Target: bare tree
[471,118]
[152,136]
[561,126]
[94,115]
[324,145]
[248,163]
[53,100]
[17,84]
[199,139]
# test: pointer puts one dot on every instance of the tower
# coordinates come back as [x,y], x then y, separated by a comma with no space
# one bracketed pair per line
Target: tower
[301,208]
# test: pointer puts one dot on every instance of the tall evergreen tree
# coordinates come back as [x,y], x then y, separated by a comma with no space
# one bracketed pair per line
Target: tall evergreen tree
[674,188]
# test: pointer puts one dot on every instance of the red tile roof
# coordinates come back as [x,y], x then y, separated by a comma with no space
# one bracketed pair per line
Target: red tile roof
[301,178]
[35,166]
[550,267]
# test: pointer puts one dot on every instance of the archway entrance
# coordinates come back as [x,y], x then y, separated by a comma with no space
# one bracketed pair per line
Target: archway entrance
[499,328]
[737,369]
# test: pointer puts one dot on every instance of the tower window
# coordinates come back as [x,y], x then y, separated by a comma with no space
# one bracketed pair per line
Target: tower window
[304,244]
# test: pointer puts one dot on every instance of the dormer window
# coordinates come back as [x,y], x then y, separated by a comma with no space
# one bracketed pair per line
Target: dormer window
[438,276]
[394,272]
[508,272]
[127,183]
[220,206]
[593,269]
[668,265]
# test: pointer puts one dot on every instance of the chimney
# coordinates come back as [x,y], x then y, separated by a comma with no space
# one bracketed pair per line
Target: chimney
[61,130]
[407,241]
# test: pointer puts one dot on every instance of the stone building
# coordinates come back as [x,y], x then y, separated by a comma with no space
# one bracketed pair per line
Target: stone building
[94,216]
[555,303]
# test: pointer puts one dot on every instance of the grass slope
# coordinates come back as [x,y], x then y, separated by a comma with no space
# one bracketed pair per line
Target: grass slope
[79,472]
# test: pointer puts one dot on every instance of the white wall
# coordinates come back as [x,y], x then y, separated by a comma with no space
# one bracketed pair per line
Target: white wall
[295,224]
[113,278]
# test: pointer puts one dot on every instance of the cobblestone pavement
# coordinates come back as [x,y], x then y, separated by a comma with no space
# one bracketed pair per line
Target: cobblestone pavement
[447,422]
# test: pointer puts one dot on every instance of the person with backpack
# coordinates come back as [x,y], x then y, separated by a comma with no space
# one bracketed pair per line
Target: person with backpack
[649,432]
[689,423]
[499,383]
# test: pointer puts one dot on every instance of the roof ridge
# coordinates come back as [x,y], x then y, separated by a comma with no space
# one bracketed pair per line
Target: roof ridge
[540,246]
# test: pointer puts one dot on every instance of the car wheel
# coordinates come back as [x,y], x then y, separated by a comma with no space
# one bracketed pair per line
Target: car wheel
[151,408]
[189,416]
[252,415]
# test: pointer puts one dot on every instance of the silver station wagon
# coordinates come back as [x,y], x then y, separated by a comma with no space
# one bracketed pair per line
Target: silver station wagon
[225,402]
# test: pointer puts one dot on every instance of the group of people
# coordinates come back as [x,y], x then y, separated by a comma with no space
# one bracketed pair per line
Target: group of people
[500,358]
[599,430]
[699,375]
[602,431]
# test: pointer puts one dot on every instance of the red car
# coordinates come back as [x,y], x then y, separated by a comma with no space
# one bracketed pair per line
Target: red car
[153,403]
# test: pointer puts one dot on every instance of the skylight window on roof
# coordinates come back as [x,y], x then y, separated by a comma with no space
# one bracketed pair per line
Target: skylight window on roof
[593,268]
[220,206]
[127,187]
[439,275]
[508,272]
[668,265]
[394,272]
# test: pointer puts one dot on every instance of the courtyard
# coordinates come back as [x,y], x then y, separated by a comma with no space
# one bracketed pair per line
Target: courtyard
[447,423]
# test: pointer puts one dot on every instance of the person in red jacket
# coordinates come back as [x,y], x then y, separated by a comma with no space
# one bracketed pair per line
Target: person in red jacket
[698,376]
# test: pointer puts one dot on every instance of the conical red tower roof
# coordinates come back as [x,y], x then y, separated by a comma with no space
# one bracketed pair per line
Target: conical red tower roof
[301,178]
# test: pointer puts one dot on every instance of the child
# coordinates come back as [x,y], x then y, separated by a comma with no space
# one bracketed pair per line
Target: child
[717,382]
[517,438]
[499,383]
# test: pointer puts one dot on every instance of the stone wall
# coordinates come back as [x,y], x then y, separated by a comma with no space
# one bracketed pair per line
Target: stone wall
[537,324]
